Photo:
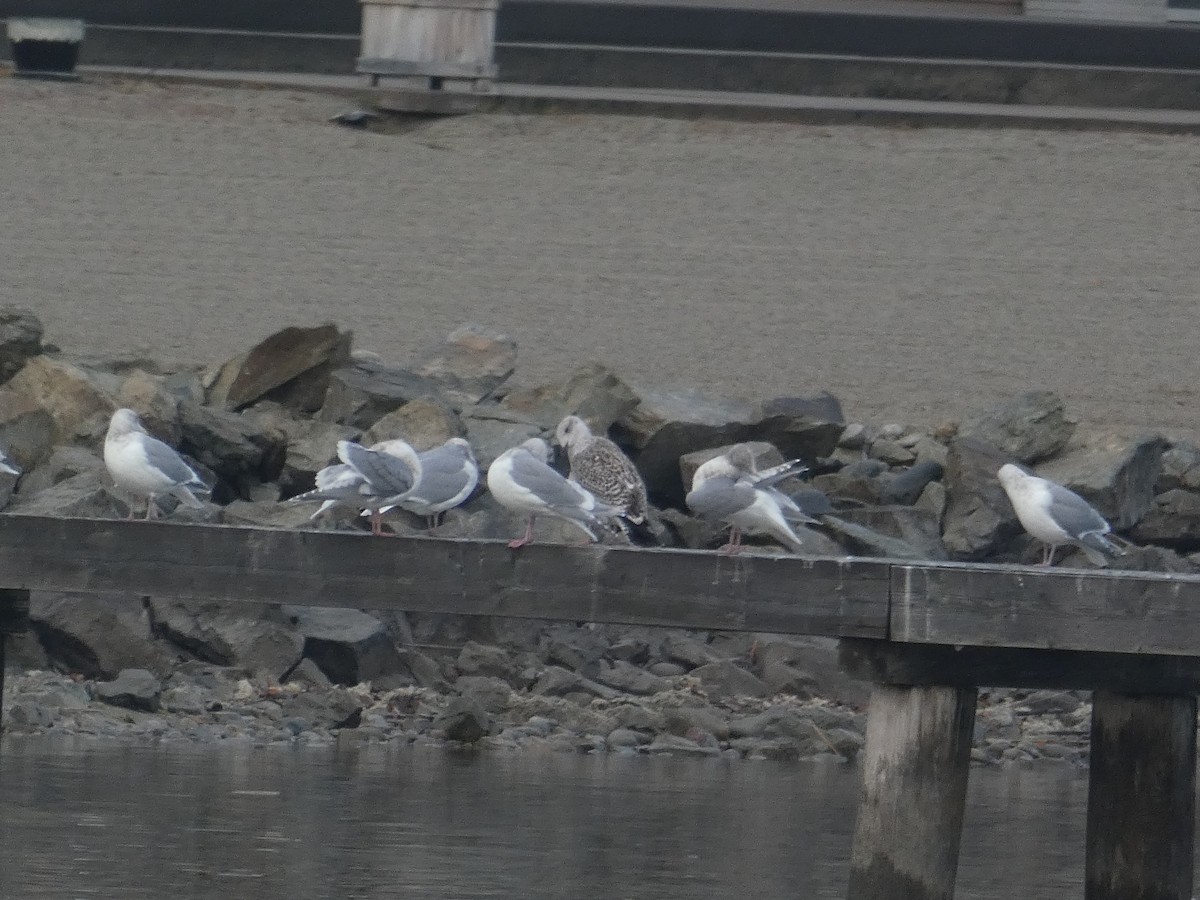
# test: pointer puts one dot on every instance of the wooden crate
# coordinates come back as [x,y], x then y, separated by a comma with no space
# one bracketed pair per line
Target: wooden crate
[434,41]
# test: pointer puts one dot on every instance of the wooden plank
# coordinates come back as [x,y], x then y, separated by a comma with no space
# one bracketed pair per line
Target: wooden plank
[14,611]
[1141,817]
[686,589]
[1029,606]
[915,766]
[886,662]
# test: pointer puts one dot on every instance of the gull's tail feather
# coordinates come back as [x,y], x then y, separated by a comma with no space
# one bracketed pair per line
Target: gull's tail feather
[186,497]
[1098,547]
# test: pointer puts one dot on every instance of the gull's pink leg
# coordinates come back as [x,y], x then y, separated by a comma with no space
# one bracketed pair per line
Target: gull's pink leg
[735,542]
[1048,554]
[520,542]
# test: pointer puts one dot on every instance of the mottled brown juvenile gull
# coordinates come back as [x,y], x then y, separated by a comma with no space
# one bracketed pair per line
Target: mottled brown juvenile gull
[599,466]
[146,467]
[521,480]
[725,492]
[1055,515]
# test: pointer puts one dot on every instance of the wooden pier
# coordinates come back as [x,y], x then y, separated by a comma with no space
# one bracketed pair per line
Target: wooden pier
[927,634]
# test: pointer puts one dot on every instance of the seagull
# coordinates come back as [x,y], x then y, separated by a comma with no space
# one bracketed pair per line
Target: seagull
[726,488]
[1055,515]
[390,470]
[145,466]
[599,466]
[521,480]
[448,476]
[741,458]
[7,466]
[338,484]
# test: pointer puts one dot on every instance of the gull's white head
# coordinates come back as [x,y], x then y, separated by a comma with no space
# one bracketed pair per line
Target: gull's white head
[716,467]
[123,422]
[741,457]
[538,449]
[1011,476]
[572,432]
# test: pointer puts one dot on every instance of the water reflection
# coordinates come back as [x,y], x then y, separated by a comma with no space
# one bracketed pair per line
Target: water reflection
[85,819]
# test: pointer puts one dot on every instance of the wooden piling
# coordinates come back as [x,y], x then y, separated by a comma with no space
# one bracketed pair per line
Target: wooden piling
[1141,797]
[915,767]
[14,619]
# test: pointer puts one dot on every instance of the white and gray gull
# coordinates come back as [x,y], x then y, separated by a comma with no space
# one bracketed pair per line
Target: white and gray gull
[522,480]
[599,465]
[726,489]
[1055,516]
[449,475]
[390,470]
[146,467]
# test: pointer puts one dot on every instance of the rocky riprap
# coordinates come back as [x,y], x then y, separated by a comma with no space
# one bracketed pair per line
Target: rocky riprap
[259,426]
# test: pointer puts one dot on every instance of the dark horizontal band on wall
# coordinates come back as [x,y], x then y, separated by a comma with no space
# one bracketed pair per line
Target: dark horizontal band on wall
[1005,37]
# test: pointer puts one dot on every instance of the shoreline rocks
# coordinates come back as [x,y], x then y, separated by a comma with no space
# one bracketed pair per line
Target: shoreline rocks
[259,426]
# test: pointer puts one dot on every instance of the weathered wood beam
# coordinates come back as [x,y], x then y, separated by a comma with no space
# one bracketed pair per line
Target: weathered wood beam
[887,662]
[1028,606]
[686,589]
[1141,818]
[915,766]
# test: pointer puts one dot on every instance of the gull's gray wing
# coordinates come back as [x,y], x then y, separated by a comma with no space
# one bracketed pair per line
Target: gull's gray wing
[721,497]
[7,465]
[1072,513]
[445,473]
[547,485]
[387,474]
[169,463]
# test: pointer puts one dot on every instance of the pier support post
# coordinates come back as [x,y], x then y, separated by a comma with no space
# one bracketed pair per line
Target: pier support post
[14,619]
[1141,797]
[915,766]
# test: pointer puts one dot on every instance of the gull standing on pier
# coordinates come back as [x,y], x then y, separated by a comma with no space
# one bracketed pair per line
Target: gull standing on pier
[600,467]
[337,485]
[521,480]
[1055,516]
[726,490]
[146,467]
[390,470]
[448,476]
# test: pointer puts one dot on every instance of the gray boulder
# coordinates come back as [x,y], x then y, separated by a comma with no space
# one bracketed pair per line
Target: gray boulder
[20,338]
[311,446]
[905,487]
[800,427]
[893,531]
[1173,521]
[364,391]
[667,424]
[471,364]
[85,495]
[1181,468]
[424,423]
[132,689]
[593,392]
[63,463]
[480,659]
[96,635]
[349,646]
[464,719]
[255,637]
[1030,427]
[725,680]
[71,395]
[330,708]
[1116,474]
[27,431]
[629,679]
[154,402]
[233,446]
[492,429]
[291,366]
[979,519]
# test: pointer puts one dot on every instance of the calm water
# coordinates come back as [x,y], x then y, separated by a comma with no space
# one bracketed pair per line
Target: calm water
[88,820]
